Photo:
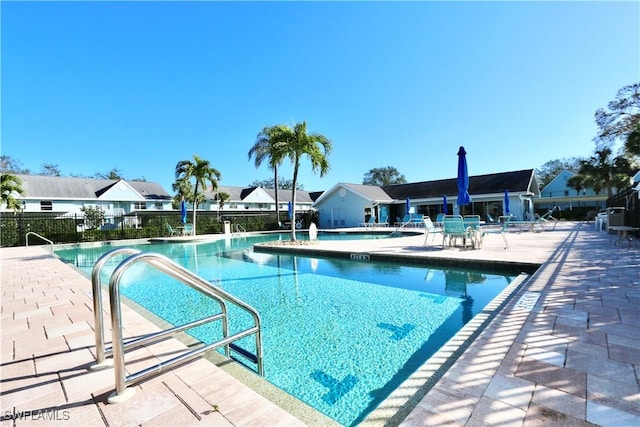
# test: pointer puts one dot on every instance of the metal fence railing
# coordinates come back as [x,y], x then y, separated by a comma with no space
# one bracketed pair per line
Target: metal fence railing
[76,228]
[627,199]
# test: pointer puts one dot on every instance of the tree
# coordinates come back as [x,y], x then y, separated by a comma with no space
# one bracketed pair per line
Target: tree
[620,118]
[114,174]
[222,198]
[577,182]
[201,172]
[184,191]
[11,165]
[384,176]
[49,169]
[633,142]
[10,187]
[268,146]
[93,216]
[295,143]
[283,184]
[604,171]
[547,172]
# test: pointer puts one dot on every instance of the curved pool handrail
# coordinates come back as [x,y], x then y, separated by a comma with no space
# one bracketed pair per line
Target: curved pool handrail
[96,288]
[197,283]
[26,238]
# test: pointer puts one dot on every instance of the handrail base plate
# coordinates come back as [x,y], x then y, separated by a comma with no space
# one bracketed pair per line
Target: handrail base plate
[119,398]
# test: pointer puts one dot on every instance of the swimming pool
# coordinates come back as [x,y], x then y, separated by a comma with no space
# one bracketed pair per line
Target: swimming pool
[340,335]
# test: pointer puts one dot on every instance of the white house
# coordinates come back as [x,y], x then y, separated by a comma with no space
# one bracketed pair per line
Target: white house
[256,199]
[69,195]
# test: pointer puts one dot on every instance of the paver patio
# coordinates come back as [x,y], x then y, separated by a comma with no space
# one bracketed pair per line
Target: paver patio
[571,356]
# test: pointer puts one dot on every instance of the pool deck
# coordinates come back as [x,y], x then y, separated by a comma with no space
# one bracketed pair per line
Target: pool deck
[567,354]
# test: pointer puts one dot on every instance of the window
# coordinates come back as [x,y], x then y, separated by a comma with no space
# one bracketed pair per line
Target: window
[566,193]
[158,206]
[139,206]
[46,205]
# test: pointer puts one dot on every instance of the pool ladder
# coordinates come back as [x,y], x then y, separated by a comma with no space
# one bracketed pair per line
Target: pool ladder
[119,347]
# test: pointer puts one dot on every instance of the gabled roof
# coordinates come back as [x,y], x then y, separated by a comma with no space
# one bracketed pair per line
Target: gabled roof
[516,181]
[368,192]
[69,188]
[286,195]
[238,194]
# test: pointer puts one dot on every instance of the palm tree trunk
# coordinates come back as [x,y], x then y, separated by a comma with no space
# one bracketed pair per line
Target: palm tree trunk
[195,206]
[275,185]
[293,199]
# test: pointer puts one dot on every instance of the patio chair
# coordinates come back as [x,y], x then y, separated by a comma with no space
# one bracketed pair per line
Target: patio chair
[430,229]
[453,227]
[540,221]
[171,231]
[494,229]
[404,221]
[416,220]
[187,230]
[370,223]
[383,221]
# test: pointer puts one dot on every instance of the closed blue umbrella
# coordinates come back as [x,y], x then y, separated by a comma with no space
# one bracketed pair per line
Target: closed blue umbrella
[407,205]
[463,179]
[445,208]
[183,207]
[506,202]
[289,210]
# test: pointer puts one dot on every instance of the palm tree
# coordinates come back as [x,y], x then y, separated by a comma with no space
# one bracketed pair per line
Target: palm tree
[602,171]
[268,145]
[10,185]
[202,172]
[296,143]
[222,198]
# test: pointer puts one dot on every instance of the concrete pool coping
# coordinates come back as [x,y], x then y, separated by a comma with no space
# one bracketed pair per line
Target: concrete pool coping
[572,358]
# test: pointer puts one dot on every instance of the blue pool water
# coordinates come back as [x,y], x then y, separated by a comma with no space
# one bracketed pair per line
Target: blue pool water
[340,335]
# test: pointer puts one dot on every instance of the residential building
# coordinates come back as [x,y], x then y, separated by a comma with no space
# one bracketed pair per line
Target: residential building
[559,195]
[256,199]
[66,195]
[347,205]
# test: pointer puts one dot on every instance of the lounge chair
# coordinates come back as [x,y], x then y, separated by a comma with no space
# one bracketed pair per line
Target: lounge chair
[540,221]
[404,221]
[383,222]
[416,220]
[439,217]
[370,223]
[453,227]
[430,229]
[491,219]
[187,230]
[494,229]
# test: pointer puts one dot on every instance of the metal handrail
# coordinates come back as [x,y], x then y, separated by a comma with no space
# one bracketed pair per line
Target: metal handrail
[96,286]
[190,279]
[26,237]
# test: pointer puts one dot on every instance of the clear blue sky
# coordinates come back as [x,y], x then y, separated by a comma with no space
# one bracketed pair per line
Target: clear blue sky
[139,86]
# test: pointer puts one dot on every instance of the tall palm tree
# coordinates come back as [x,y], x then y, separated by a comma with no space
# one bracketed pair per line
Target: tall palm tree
[201,172]
[296,143]
[269,144]
[10,185]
